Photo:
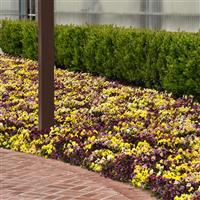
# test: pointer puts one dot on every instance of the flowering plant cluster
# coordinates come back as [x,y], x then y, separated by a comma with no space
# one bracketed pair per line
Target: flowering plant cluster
[136,135]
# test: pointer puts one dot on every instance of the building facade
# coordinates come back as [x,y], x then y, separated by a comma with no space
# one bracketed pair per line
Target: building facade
[171,15]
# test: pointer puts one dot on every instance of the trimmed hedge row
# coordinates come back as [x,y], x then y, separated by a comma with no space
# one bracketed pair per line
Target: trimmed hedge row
[156,59]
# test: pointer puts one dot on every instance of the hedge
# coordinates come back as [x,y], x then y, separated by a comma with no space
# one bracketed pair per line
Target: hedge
[155,59]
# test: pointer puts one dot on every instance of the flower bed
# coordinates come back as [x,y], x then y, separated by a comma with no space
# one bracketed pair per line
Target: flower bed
[125,133]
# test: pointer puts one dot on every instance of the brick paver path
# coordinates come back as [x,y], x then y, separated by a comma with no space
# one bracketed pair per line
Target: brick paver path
[28,177]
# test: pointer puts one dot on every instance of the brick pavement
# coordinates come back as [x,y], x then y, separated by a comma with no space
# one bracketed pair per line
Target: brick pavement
[28,177]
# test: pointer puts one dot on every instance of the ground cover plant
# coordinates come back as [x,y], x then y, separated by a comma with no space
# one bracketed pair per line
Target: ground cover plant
[130,134]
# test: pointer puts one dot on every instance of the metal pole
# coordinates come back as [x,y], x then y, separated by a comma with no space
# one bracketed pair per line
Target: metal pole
[46,63]
[30,7]
[26,9]
[20,9]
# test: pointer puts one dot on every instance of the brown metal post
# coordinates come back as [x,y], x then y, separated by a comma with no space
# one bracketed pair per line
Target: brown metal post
[46,63]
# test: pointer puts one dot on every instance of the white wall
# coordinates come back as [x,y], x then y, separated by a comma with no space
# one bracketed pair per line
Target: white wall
[182,14]
[171,15]
[9,8]
[98,11]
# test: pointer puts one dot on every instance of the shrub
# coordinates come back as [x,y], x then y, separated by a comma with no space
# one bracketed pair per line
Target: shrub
[29,40]
[69,46]
[183,64]
[155,59]
[11,37]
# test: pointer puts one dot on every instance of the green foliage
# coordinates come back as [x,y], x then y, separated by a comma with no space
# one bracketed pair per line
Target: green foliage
[29,40]
[183,64]
[98,51]
[11,36]
[154,59]
[69,46]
